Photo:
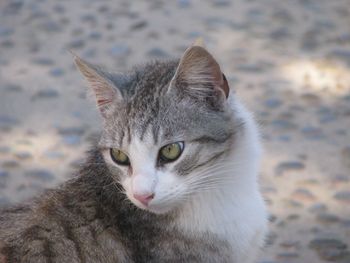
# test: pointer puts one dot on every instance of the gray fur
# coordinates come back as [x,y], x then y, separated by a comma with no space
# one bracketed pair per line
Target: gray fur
[88,219]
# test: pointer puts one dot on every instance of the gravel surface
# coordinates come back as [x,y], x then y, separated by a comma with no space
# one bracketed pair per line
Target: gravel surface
[288,60]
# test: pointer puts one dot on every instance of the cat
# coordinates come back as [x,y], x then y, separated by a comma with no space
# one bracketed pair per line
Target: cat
[173,177]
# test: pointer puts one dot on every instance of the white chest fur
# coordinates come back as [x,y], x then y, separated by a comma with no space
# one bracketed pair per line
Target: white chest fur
[236,211]
[239,221]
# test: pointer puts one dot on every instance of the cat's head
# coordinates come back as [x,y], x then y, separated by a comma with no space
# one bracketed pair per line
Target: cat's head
[167,128]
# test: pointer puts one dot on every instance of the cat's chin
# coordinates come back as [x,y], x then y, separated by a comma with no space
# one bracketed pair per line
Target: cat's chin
[155,209]
[158,210]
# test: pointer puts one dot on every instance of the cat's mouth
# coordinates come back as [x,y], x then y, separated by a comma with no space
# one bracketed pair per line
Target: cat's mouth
[154,206]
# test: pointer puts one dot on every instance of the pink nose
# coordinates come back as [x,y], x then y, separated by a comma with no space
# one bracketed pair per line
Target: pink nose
[144,199]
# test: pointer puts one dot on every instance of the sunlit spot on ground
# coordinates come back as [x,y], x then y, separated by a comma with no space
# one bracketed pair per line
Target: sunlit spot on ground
[320,76]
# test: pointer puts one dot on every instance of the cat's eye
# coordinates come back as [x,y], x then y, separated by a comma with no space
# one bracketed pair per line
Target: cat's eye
[171,152]
[119,157]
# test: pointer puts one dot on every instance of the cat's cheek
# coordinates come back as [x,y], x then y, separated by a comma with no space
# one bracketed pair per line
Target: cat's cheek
[168,194]
[127,185]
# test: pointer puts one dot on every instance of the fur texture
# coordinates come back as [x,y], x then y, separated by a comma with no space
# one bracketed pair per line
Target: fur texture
[206,206]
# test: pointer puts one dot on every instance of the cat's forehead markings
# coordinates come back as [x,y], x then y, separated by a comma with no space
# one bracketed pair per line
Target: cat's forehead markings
[142,153]
[121,138]
[155,133]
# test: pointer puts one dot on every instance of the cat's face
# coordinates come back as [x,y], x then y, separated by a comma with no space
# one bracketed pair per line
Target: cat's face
[167,128]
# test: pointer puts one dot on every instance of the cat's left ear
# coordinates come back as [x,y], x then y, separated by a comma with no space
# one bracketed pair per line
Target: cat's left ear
[104,89]
[199,74]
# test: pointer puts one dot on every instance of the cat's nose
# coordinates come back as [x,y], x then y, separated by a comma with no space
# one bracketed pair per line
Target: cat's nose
[144,198]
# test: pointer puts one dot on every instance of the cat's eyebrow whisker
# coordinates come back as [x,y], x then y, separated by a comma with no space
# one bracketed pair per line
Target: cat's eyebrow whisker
[211,174]
[216,180]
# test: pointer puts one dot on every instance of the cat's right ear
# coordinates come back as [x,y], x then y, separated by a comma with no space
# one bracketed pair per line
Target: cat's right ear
[104,89]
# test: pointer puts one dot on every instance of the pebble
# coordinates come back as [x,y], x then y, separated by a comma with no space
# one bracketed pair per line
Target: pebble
[3,174]
[293,217]
[283,16]
[77,32]
[59,9]
[4,201]
[320,243]
[10,164]
[71,139]
[23,155]
[284,138]
[327,117]
[5,149]
[76,44]
[287,166]
[73,130]
[95,35]
[292,204]
[250,68]
[273,103]
[290,244]
[327,218]
[272,218]
[89,18]
[271,238]
[312,133]
[7,43]
[310,40]
[25,141]
[310,99]
[43,61]
[346,223]
[183,3]
[343,196]
[340,179]
[3,178]
[50,26]
[222,3]
[139,25]
[255,14]
[341,54]
[303,195]
[89,53]
[53,155]
[157,53]
[12,7]
[287,255]
[330,249]
[280,34]
[282,124]
[13,88]
[317,208]
[56,72]
[40,174]
[6,31]
[119,50]
[334,254]
[45,94]
[345,154]
[269,190]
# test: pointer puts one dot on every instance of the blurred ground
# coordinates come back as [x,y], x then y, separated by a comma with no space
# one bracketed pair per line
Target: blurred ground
[288,60]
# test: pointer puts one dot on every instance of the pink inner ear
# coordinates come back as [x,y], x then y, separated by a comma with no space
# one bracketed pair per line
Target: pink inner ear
[101,102]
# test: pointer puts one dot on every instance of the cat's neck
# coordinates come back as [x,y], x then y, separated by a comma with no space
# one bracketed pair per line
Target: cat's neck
[226,209]
[216,209]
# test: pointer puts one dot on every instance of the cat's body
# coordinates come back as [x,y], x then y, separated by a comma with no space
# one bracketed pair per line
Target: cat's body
[205,205]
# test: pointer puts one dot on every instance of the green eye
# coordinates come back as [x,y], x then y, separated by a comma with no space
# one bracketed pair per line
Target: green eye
[119,157]
[171,152]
